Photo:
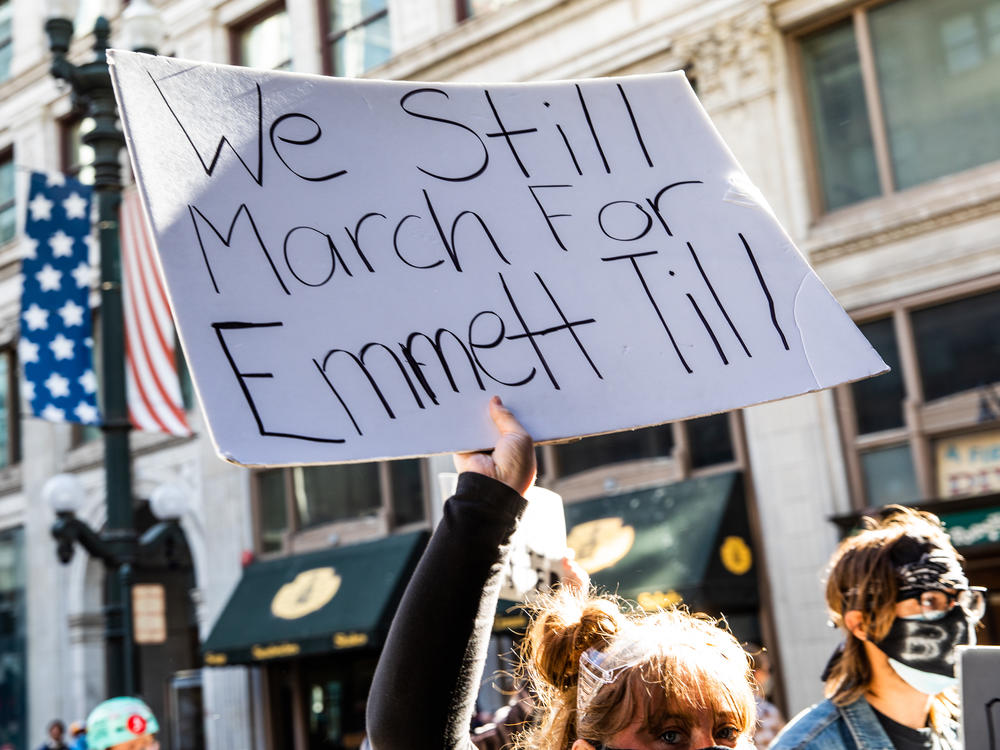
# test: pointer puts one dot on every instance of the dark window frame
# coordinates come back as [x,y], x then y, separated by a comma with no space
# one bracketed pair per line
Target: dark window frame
[385,512]
[621,475]
[331,36]
[14,455]
[68,131]
[13,606]
[8,41]
[858,16]
[239,28]
[924,422]
[7,156]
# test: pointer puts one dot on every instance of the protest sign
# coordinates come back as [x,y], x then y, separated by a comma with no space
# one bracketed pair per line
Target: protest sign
[356,266]
[537,546]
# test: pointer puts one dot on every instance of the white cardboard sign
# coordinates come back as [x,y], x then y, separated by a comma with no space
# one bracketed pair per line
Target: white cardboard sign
[537,546]
[356,266]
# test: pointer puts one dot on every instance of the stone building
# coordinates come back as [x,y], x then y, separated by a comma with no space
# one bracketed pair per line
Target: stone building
[870,127]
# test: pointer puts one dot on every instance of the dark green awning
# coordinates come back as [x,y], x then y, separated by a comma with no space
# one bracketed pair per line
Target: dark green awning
[330,600]
[688,541]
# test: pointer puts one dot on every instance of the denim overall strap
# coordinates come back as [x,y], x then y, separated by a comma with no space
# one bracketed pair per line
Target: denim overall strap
[864,726]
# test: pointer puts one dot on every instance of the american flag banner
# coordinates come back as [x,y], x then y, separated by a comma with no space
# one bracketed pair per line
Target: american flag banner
[56,342]
[154,392]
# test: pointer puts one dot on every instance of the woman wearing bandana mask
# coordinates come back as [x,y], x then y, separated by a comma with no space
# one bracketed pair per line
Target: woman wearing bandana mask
[602,679]
[898,591]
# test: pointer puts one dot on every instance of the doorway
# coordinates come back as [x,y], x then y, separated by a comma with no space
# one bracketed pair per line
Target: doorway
[318,703]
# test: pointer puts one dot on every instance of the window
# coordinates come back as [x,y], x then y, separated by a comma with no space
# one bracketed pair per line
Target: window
[876,127]
[265,41]
[77,156]
[307,497]
[879,401]
[708,442]
[87,12]
[618,447]
[890,476]
[10,413]
[13,656]
[958,345]
[8,210]
[945,360]
[6,37]
[468,8]
[183,376]
[358,35]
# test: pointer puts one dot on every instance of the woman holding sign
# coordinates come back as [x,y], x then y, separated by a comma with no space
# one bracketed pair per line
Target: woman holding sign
[604,680]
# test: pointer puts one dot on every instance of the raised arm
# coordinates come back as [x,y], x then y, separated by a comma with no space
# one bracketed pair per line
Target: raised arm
[425,685]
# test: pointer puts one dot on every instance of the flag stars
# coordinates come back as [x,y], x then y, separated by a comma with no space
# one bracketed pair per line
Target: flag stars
[58,386]
[71,314]
[82,275]
[57,278]
[61,244]
[53,414]
[75,206]
[88,381]
[62,347]
[29,247]
[36,317]
[41,208]
[49,279]
[27,351]
[86,413]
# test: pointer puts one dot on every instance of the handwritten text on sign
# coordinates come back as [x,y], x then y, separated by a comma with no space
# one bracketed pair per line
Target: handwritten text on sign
[355,266]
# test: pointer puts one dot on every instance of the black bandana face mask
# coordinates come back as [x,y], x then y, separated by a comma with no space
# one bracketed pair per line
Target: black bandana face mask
[929,647]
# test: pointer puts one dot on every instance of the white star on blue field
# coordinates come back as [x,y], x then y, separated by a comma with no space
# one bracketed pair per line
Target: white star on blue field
[56,338]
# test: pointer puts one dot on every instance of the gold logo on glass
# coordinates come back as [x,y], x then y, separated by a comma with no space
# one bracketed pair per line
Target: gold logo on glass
[736,555]
[309,591]
[601,543]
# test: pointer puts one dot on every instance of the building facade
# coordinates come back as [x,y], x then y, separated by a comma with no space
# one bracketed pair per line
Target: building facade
[869,125]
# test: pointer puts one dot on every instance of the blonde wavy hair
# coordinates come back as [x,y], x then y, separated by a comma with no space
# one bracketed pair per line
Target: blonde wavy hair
[682,664]
[862,577]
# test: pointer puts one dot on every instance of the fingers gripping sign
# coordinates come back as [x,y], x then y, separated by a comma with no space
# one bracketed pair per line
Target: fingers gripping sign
[512,460]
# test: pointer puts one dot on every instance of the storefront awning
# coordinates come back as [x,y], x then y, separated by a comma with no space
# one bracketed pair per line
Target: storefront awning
[688,541]
[330,600]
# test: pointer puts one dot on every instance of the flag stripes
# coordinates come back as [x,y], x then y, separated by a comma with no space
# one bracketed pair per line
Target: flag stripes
[154,394]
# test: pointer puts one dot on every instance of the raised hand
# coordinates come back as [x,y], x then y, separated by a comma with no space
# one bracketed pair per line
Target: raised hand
[512,460]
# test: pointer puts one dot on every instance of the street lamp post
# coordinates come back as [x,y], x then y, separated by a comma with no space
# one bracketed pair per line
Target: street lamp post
[91,87]
[65,495]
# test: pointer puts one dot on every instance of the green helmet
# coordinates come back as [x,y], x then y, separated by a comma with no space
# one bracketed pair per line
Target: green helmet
[119,720]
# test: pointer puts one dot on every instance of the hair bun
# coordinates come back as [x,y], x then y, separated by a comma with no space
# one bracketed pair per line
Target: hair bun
[565,629]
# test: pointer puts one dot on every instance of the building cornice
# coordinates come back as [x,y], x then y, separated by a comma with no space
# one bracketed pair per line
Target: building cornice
[944,203]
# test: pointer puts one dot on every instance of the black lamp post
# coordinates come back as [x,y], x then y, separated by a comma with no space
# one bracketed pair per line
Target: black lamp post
[120,550]
[117,545]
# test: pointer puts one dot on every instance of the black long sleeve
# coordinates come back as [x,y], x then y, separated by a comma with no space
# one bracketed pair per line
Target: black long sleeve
[424,690]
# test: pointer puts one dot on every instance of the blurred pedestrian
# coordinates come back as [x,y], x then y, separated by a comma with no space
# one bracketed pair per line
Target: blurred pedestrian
[122,724]
[603,678]
[78,736]
[769,718]
[898,592]
[56,739]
